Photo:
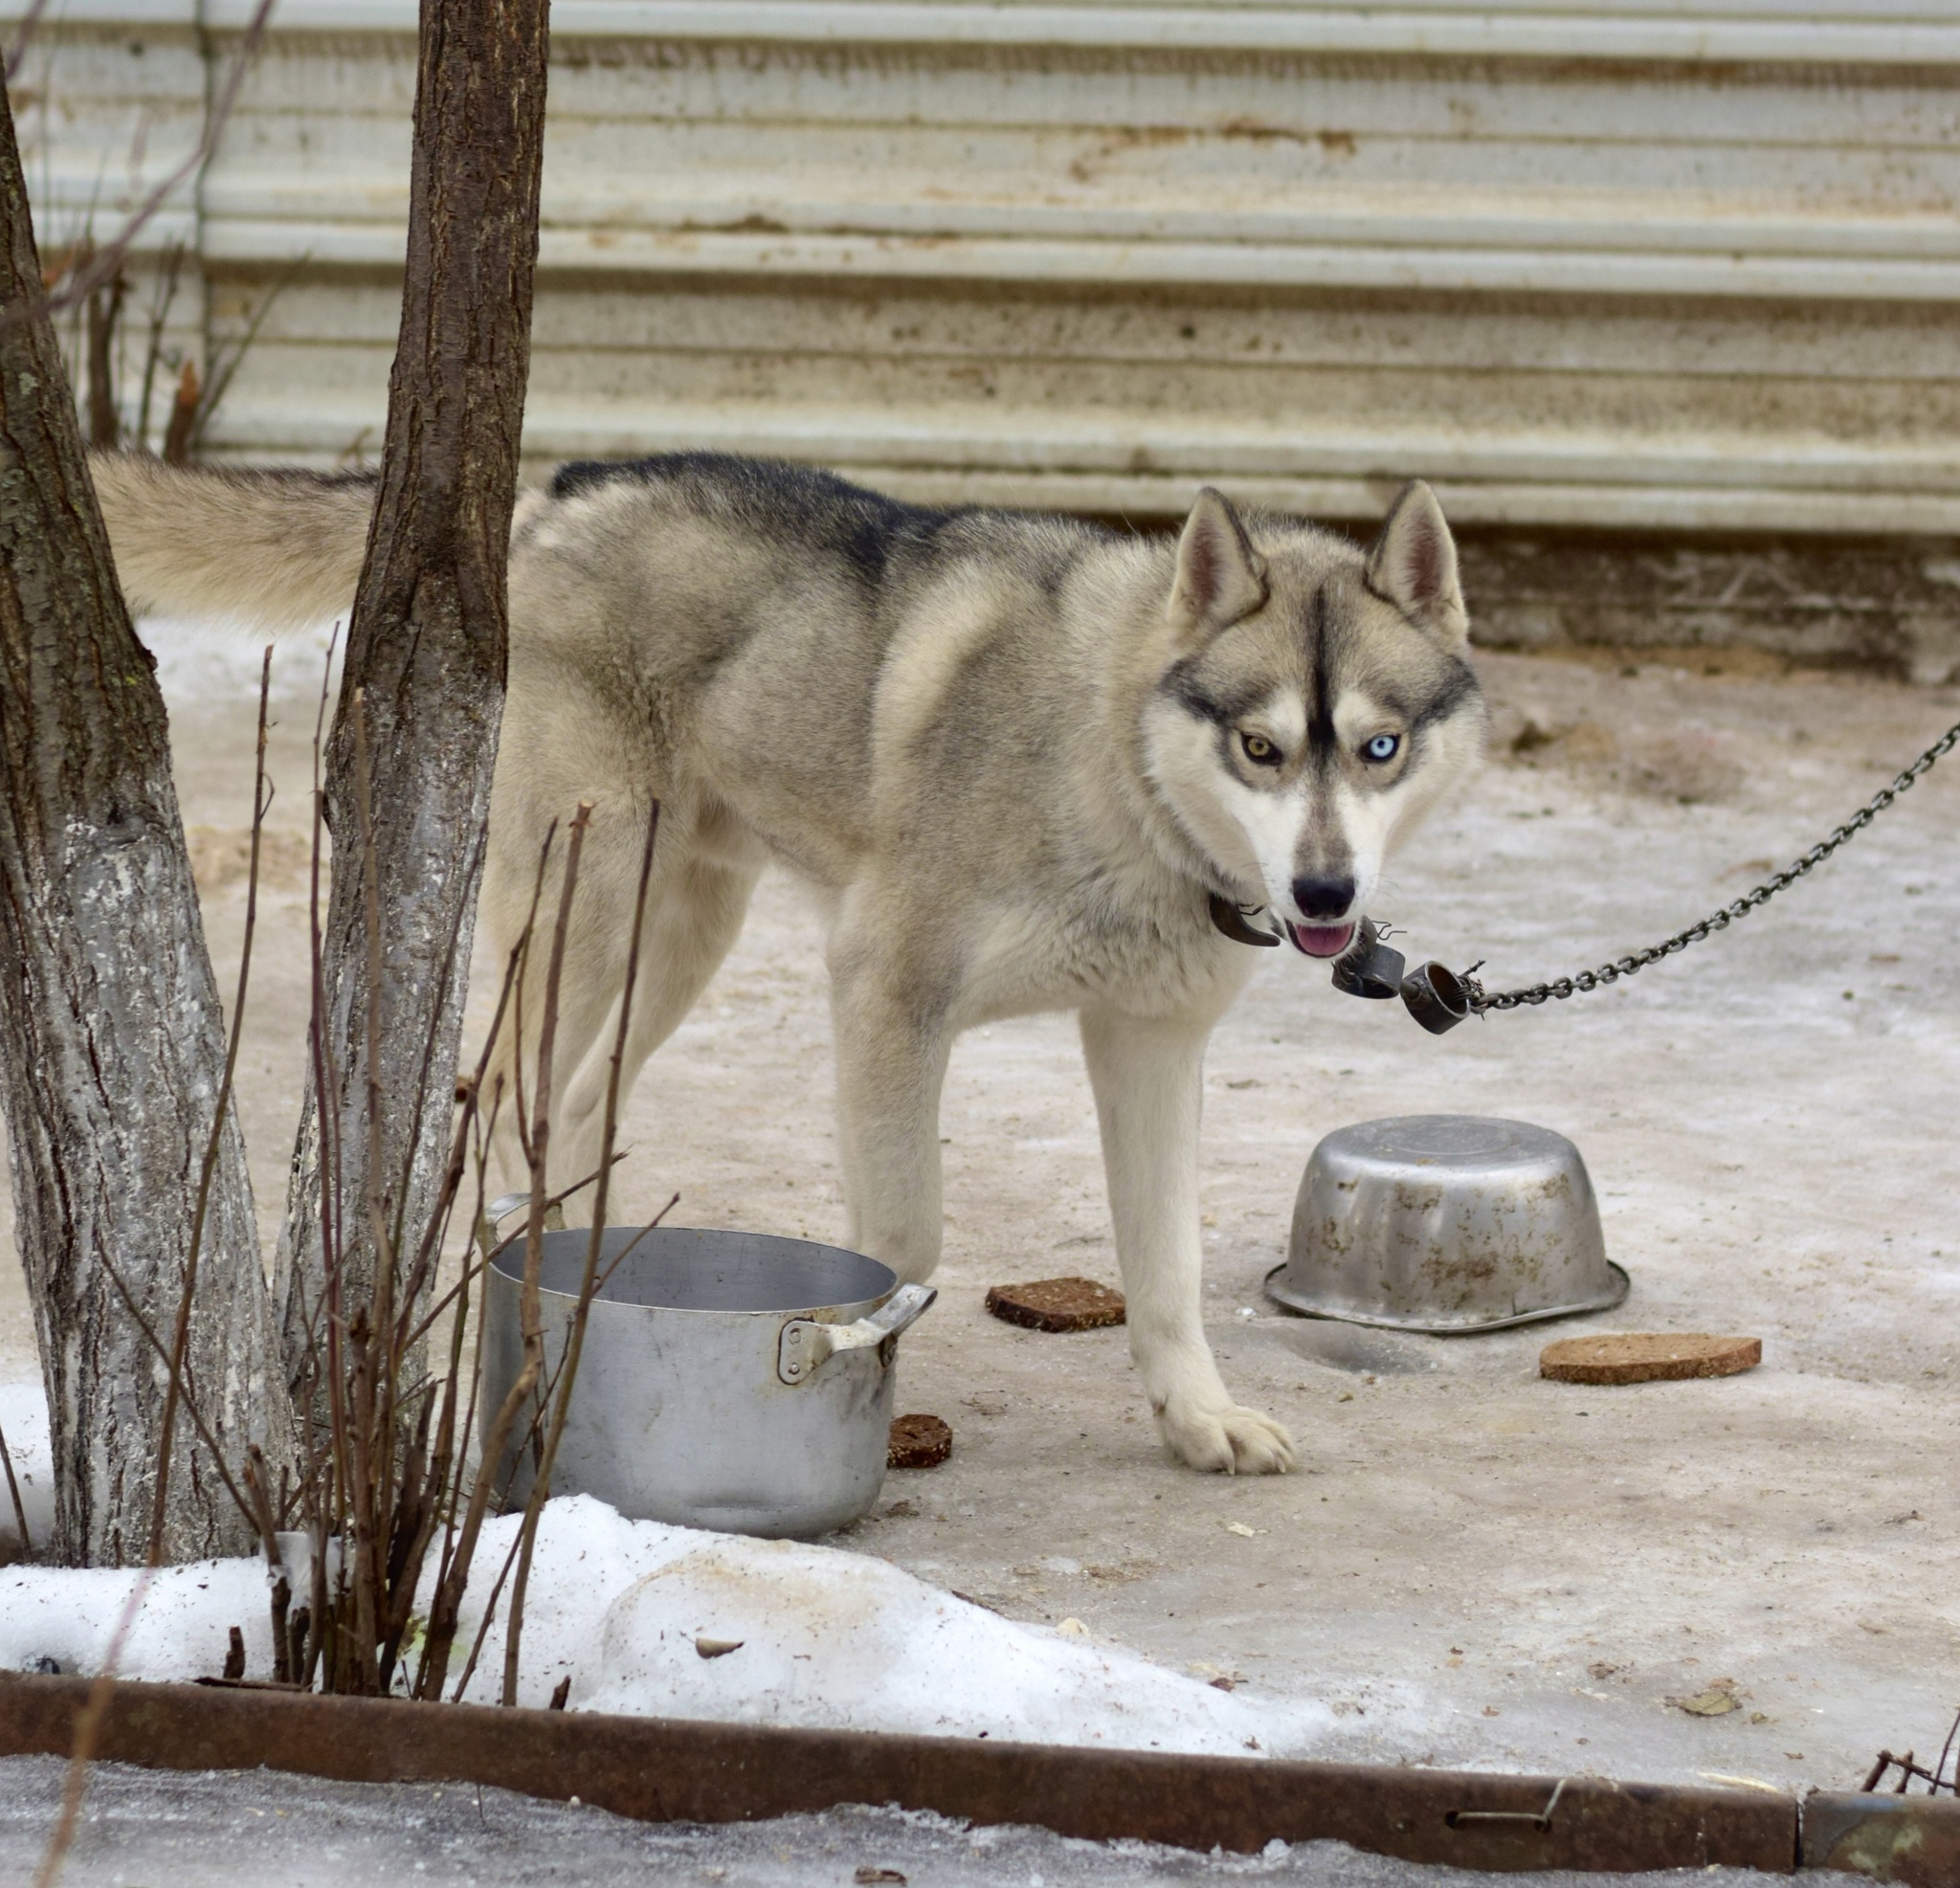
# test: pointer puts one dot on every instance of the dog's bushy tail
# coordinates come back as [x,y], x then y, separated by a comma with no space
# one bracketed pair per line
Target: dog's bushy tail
[275,550]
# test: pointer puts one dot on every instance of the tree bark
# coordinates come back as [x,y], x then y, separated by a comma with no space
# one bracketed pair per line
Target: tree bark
[426,647]
[112,1035]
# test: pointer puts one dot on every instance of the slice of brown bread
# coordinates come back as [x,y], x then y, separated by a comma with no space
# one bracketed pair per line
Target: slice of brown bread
[919,1442]
[1647,1357]
[1057,1304]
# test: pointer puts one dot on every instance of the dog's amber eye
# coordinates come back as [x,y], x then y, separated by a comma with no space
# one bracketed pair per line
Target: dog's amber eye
[1259,750]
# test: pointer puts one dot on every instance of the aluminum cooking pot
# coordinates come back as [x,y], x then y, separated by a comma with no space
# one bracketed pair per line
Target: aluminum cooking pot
[728,1380]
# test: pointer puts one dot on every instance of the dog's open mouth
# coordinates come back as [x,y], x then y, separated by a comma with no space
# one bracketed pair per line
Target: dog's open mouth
[1319,940]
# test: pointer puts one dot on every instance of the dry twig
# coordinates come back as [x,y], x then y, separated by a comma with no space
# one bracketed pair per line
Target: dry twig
[261,804]
[107,262]
[88,1730]
[17,51]
[13,1492]
[574,1344]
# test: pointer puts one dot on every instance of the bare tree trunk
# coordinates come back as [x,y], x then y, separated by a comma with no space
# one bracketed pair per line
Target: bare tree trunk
[112,1038]
[426,649]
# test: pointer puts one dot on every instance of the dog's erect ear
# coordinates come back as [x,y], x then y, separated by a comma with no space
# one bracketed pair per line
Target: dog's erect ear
[1220,577]
[1413,564]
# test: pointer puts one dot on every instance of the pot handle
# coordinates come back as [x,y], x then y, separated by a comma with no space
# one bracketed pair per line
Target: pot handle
[501,1209]
[805,1345]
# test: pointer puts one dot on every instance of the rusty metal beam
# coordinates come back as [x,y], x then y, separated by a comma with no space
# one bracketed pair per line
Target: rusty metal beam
[667,1771]
[1913,1841]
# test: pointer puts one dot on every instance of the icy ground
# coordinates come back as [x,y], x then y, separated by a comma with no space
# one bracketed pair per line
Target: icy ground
[218,1830]
[1474,1567]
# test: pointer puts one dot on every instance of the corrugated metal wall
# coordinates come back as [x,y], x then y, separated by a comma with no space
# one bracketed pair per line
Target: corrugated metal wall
[1644,264]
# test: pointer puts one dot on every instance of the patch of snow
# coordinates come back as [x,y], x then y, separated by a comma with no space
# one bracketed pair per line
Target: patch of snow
[62,1618]
[835,1639]
[847,1641]
[824,1638]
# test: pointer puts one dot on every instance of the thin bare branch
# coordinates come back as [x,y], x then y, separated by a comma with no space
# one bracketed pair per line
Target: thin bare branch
[88,1730]
[260,801]
[321,1053]
[530,1311]
[446,1608]
[475,1268]
[108,259]
[568,1373]
[631,1245]
[1945,1750]
[27,1546]
[105,317]
[162,296]
[420,1272]
[371,1462]
[29,21]
[221,366]
[186,1395]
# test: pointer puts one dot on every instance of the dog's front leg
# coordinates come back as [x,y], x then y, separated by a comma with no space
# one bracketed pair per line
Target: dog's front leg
[891,1047]
[1148,1079]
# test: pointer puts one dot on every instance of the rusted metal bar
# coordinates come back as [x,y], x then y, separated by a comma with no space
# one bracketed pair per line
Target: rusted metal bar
[667,1771]
[1913,1841]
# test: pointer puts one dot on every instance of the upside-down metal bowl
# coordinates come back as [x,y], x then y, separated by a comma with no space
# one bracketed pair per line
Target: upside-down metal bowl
[1446,1224]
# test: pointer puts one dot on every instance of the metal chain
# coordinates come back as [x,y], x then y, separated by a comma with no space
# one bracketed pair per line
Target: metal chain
[1483,1001]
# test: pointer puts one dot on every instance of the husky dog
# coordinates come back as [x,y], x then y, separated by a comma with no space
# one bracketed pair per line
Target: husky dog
[1023,762]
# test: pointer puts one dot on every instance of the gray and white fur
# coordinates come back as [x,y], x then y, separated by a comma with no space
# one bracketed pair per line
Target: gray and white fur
[1015,756]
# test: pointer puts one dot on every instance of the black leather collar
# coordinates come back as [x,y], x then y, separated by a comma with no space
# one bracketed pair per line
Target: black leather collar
[1230,919]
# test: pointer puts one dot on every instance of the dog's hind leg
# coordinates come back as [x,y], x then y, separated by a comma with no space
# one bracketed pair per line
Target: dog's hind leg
[599,924]
[695,908]
[695,911]
[588,991]
[1148,1076]
[892,1043]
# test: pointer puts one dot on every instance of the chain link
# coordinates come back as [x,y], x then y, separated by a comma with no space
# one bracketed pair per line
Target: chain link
[1483,1001]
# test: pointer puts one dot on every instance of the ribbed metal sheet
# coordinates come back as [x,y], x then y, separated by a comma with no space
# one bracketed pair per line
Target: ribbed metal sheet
[1652,263]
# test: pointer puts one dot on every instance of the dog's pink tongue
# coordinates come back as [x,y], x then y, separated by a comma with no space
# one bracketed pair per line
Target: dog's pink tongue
[1320,939]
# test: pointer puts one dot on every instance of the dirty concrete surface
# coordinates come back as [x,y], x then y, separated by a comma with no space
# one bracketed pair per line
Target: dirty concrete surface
[242,1829]
[1475,1566]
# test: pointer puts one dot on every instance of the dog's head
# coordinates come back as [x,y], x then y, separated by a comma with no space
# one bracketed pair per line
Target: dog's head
[1314,704]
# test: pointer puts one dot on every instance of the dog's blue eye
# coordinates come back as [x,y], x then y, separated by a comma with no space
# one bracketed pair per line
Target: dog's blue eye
[1383,747]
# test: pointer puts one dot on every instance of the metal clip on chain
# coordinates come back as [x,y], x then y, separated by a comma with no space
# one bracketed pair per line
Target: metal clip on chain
[1368,966]
[1439,998]
[1435,995]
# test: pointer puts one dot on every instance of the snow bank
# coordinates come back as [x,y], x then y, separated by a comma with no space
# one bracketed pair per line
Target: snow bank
[842,1640]
[626,1610]
[62,1618]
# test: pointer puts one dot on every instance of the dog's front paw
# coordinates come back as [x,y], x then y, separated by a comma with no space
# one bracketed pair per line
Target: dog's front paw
[1227,1440]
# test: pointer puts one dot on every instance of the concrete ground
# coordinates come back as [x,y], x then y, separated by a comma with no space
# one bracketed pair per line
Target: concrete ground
[1476,1566]
[246,1829]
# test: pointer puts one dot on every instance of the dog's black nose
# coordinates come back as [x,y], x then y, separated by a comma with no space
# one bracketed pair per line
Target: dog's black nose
[1322,898]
